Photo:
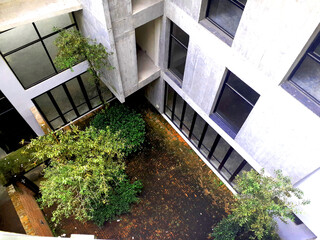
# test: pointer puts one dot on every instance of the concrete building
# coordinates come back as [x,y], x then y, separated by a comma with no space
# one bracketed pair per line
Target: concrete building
[238,79]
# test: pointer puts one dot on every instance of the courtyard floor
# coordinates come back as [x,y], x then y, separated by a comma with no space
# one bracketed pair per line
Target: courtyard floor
[181,198]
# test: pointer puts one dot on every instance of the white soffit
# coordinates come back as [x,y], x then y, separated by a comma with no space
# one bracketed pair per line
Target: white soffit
[14,13]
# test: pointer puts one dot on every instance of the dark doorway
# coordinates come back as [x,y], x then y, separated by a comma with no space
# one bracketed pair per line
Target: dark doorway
[13,127]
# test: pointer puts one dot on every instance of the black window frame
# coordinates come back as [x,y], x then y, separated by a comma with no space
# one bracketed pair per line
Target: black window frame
[237,3]
[220,120]
[39,40]
[219,164]
[297,91]
[74,106]
[174,38]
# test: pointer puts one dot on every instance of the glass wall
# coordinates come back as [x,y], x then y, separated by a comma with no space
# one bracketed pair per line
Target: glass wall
[29,49]
[71,100]
[211,145]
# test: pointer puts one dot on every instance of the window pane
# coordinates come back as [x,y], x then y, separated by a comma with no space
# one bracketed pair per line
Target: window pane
[308,77]
[70,116]
[178,57]
[89,85]
[243,89]
[180,35]
[208,141]
[169,94]
[187,121]
[317,50]
[232,164]
[178,110]
[226,14]
[46,26]
[75,92]
[197,130]
[17,37]
[105,92]
[221,150]
[46,106]
[31,64]
[95,102]
[57,123]
[233,109]
[61,98]
[83,108]
[5,105]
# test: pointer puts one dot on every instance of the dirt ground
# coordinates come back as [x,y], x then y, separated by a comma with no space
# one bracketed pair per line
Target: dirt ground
[181,198]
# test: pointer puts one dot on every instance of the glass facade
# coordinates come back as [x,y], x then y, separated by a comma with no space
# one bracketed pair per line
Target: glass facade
[235,102]
[71,100]
[29,49]
[226,14]
[211,145]
[179,41]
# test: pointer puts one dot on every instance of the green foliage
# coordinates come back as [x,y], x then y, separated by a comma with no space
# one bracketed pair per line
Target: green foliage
[124,121]
[74,48]
[262,198]
[227,228]
[16,163]
[85,173]
[123,195]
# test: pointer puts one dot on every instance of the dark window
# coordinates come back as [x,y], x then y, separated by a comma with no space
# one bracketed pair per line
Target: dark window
[179,41]
[29,49]
[13,127]
[211,145]
[306,76]
[235,102]
[71,100]
[226,14]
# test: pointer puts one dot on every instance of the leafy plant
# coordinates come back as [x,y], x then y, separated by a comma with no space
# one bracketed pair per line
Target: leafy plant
[16,163]
[124,121]
[261,198]
[85,174]
[74,48]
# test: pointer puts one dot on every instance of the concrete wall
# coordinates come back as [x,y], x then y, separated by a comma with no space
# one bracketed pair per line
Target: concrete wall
[280,132]
[95,22]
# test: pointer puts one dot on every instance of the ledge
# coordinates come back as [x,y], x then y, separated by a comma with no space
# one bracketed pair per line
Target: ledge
[144,11]
[19,12]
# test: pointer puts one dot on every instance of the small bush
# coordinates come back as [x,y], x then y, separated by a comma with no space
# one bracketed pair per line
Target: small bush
[227,228]
[125,121]
[119,201]
[16,163]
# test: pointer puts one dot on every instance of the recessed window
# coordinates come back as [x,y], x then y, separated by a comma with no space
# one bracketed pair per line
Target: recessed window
[29,49]
[226,14]
[235,102]
[306,76]
[179,41]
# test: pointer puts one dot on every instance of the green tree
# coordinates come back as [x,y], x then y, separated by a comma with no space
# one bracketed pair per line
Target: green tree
[74,48]
[260,199]
[86,174]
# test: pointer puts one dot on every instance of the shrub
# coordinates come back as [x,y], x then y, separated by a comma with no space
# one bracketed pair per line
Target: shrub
[86,174]
[260,200]
[124,121]
[16,163]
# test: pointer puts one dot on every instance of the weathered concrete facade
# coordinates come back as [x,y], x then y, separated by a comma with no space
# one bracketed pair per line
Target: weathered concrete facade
[279,133]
